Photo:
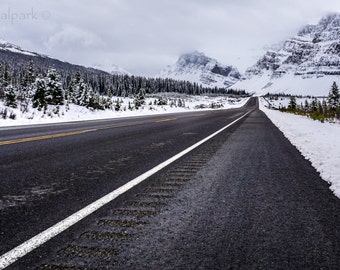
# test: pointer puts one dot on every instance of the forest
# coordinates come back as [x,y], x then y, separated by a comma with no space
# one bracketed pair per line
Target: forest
[36,84]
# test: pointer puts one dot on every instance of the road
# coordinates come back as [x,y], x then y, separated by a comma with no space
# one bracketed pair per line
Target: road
[246,199]
[49,172]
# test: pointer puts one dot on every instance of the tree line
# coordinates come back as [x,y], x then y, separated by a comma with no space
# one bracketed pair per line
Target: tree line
[41,88]
[327,109]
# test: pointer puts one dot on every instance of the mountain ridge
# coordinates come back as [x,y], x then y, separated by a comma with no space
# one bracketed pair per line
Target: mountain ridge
[15,56]
[199,68]
[305,64]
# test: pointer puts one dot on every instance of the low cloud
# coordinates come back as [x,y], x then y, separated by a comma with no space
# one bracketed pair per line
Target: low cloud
[75,39]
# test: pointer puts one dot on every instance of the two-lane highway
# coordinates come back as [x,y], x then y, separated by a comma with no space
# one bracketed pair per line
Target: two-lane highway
[49,172]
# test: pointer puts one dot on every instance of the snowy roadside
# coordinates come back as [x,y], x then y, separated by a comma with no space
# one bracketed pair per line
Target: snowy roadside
[318,142]
[71,112]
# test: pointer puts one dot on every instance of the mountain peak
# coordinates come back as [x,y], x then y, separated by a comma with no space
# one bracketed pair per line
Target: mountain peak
[305,64]
[194,57]
[330,20]
[7,46]
[196,67]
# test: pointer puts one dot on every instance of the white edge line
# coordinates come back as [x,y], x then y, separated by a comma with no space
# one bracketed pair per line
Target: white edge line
[13,255]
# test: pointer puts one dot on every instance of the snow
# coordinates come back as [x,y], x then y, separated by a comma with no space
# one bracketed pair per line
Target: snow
[306,64]
[318,142]
[72,112]
[283,102]
[197,68]
[6,46]
[15,50]
[288,84]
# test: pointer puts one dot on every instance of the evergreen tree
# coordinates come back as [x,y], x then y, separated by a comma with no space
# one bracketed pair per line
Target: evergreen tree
[11,97]
[292,104]
[6,77]
[30,73]
[29,76]
[117,106]
[314,105]
[72,90]
[54,91]
[324,107]
[129,106]
[140,98]
[83,94]
[39,98]
[334,97]
[306,107]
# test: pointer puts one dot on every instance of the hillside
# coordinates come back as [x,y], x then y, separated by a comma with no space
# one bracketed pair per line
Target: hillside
[306,64]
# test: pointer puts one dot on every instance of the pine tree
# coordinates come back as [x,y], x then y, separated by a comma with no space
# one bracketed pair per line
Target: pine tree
[30,73]
[140,98]
[306,107]
[6,77]
[314,105]
[83,94]
[117,106]
[54,91]
[80,93]
[334,97]
[39,98]
[11,97]
[292,104]
[75,82]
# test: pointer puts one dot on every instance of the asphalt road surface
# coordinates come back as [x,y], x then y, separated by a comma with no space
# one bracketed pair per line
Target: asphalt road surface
[247,199]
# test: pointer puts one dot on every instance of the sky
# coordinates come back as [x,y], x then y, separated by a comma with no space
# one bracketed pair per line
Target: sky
[144,36]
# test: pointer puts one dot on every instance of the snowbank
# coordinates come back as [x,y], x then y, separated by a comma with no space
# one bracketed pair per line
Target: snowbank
[71,112]
[318,142]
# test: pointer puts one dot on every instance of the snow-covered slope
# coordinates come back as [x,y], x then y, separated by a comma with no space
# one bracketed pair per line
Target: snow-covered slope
[196,67]
[9,47]
[306,64]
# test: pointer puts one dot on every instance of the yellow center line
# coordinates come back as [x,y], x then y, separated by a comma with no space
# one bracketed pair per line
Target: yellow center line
[165,120]
[122,125]
[58,135]
[193,115]
[45,137]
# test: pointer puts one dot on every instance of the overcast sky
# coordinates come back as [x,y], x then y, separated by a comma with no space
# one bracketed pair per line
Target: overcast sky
[144,36]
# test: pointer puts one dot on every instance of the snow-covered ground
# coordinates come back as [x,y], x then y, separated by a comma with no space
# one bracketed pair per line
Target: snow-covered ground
[288,84]
[283,102]
[71,112]
[318,142]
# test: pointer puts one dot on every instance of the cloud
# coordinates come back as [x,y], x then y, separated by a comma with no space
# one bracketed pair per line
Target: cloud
[75,39]
[144,36]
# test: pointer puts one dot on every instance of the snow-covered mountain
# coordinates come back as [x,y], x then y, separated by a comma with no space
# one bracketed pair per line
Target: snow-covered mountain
[196,67]
[14,56]
[306,64]
[9,47]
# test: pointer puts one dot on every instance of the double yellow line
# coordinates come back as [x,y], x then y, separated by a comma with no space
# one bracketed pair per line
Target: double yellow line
[58,135]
